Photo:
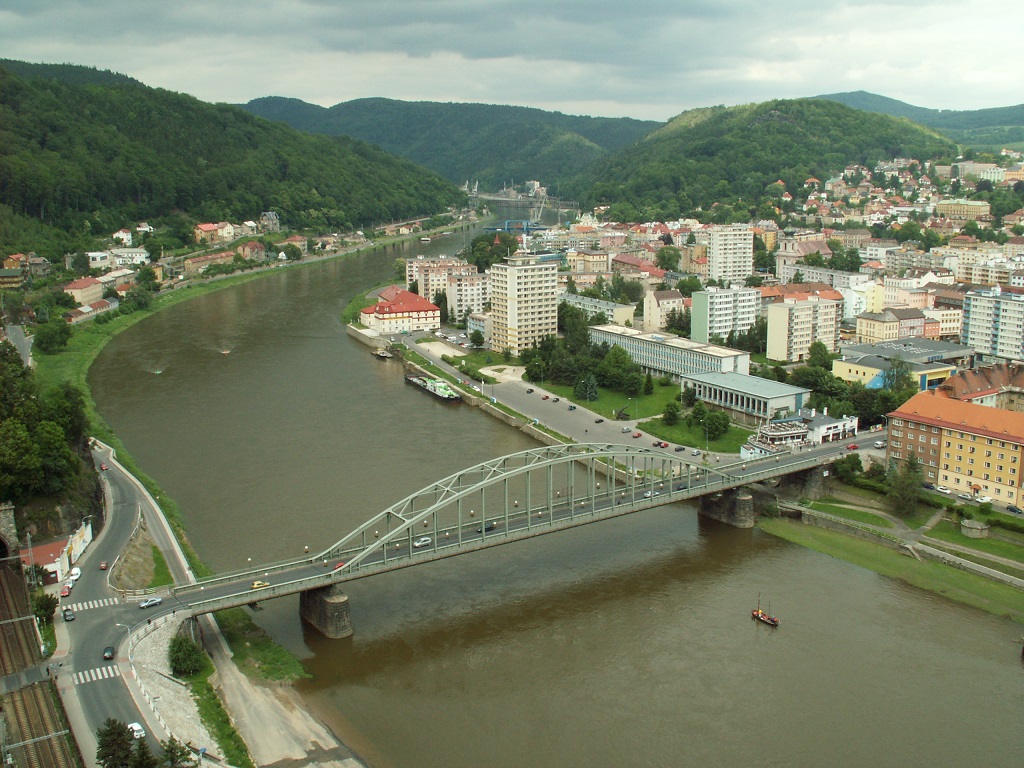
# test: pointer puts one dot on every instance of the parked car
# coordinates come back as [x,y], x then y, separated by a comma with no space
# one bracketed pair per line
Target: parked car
[260,584]
[943,489]
[138,732]
[929,486]
[1014,509]
[149,602]
[964,496]
[76,574]
[65,590]
[68,614]
[984,499]
[422,541]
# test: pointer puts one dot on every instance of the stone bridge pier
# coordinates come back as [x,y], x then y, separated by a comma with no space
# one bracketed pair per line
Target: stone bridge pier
[733,507]
[327,609]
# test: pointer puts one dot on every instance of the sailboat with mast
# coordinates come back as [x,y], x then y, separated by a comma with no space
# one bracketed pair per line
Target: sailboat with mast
[766,617]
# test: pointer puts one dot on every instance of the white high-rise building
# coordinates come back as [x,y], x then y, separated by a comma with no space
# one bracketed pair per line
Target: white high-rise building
[793,325]
[731,253]
[524,303]
[467,293]
[993,324]
[720,311]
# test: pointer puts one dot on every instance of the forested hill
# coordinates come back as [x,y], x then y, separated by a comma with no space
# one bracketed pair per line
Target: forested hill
[982,128]
[732,155]
[490,143]
[87,158]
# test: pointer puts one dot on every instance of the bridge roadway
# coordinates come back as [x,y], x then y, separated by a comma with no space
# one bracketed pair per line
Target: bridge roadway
[364,552]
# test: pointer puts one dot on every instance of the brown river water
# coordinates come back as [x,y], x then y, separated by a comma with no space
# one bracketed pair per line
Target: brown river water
[624,643]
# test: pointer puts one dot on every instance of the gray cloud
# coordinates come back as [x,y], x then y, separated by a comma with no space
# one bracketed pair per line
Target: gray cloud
[649,59]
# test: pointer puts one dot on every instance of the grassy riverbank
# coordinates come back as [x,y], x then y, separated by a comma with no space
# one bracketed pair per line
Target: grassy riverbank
[953,583]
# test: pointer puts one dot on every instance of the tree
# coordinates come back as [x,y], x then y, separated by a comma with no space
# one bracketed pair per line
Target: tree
[142,756]
[716,424]
[185,657]
[292,252]
[798,276]
[848,467]
[586,388]
[648,384]
[667,258]
[114,744]
[52,337]
[145,278]
[43,606]
[688,396]
[476,338]
[672,413]
[898,376]
[688,285]
[441,302]
[753,281]
[905,487]
[176,754]
[818,356]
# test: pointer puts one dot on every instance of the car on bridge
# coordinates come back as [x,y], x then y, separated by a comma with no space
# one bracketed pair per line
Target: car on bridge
[260,584]
[488,526]
[149,602]
[340,564]
[422,541]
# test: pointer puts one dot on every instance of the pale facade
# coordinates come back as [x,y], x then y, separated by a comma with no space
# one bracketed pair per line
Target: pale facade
[721,311]
[524,303]
[993,324]
[730,252]
[467,293]
[671,355]
[794,325]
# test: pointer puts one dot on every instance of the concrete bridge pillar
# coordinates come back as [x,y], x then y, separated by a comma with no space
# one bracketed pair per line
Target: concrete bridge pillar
[327,610]
[743,509]
[734,508]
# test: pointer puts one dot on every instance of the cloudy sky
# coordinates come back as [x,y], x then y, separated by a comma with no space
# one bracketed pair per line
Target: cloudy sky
[649,59]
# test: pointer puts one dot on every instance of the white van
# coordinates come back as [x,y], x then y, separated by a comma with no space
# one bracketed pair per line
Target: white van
[879,443]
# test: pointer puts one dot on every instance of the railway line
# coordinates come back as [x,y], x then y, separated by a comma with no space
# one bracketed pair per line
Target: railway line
[36,735]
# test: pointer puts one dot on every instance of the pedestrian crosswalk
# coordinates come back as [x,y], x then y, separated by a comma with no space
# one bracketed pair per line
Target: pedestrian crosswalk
[83,606]
[98,673]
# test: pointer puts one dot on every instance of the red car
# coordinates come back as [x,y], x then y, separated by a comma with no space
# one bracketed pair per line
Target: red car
[637,434]
[338,565]
[103,565]
[852,447]
[545,397]
[65,591]
[104,467]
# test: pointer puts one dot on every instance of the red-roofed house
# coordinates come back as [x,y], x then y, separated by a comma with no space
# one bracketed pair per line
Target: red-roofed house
[85,290]
[400,310]
[205,233]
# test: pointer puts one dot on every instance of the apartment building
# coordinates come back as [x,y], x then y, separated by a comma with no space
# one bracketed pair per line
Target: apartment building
[721,311]
[431,274]
[963,446]
[400,310]
[524,302]
[467,293]
[993,324]
[838,279]
[730,252]
[618,314]
[794,324]
[895,323]
[963,210]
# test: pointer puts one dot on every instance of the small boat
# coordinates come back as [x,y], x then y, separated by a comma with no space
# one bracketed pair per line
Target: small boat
[383,354]
[758,615]
[424,239]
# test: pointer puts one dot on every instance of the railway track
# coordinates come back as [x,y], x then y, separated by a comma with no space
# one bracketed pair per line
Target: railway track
[33,716]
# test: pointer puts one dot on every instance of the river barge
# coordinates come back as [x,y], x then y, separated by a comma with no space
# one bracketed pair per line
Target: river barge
[438,388]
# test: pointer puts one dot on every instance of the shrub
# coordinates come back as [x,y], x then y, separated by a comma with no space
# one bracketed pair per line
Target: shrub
[186,658]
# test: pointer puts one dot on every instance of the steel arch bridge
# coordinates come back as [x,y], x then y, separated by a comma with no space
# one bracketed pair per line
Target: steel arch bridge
[498,501]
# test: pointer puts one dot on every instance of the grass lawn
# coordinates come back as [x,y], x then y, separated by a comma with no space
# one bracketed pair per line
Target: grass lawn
[848,513]
[682,434]
[914,519]
[950,531]
[955,584]
[161,572]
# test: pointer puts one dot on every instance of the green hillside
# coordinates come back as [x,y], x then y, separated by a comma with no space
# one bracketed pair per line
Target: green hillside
[980,128]
[489,143]
[731,155]
[91,155]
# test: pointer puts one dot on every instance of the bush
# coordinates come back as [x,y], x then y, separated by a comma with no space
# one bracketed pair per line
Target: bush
[186,658]
[1009,525]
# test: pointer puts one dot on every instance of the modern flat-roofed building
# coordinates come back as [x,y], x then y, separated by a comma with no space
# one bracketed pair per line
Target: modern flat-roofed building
[793,325]
[993,324]
[616,314]
[730,252]
[674,356]
[721,311]
[467,293]
[748,398]
[524,303]
[965,447]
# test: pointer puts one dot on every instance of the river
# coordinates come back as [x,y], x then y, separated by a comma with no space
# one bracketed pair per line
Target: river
[624,643]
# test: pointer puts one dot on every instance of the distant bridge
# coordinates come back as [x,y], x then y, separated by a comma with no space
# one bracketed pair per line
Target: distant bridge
[506,499]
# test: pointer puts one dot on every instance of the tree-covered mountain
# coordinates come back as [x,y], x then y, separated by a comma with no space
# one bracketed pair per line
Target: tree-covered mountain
[493,144]
[732,155]
[91,156]
[981,128]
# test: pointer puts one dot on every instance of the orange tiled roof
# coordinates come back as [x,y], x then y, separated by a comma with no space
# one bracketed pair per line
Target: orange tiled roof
[961,415]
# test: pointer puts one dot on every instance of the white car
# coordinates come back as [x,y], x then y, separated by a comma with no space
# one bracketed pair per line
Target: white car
[76,574]
[943,489]
[984,499]
[149,602]
[138,732]
[422,541]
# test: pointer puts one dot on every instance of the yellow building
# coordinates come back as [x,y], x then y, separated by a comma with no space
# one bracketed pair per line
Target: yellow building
[870,370]
[962,446]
